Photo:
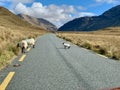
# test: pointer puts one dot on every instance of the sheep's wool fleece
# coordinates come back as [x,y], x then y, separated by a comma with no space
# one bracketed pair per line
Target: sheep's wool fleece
[66,44]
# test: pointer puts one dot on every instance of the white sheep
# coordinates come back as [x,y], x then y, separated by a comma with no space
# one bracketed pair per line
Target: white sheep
[31,42]
[66,45]
[23,45]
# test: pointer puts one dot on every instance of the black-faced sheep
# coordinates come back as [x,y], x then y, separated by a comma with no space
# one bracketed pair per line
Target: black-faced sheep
[31,42]
[23,45]
[66,45]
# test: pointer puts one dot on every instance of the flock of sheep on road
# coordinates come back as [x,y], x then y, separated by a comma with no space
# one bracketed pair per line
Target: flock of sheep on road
[24,44]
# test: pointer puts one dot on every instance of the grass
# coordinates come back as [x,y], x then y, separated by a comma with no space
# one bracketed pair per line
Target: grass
[9,38]
[105,42]
[12,30]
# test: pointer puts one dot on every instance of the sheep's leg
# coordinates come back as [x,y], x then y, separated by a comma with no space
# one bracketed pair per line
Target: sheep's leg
[27,47]
[65,47]
[22,49]
[68,47]
[33,46]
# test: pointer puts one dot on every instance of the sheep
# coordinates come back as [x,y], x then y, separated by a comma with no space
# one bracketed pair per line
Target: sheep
[23,45]
[31,42]
[66,45]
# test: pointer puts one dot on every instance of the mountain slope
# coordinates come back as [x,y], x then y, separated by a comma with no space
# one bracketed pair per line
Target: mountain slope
[38,22]
[10,20]
[7,19]
[109,18]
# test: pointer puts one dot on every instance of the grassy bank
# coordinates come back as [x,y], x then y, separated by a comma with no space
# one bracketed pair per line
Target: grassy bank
[105,42]
[9,39]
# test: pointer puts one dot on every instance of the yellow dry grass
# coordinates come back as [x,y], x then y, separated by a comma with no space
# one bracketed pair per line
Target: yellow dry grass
[12,30]
[106,42]
[9,37]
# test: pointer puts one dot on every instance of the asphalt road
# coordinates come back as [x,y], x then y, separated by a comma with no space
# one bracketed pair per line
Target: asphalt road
[49,66]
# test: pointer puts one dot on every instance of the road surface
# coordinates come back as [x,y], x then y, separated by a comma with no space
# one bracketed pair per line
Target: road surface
[49,66]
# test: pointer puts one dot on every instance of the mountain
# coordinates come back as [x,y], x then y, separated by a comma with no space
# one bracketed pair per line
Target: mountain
[38,22]
[110,18]
[8,19]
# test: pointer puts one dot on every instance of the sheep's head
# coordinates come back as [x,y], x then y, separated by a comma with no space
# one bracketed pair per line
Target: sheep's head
[63,42]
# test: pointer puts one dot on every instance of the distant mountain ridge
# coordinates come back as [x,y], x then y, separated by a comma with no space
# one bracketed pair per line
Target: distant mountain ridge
[38,22]
[109,18]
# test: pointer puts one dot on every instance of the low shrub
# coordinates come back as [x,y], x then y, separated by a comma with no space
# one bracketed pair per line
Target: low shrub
[86,45]
[5,57]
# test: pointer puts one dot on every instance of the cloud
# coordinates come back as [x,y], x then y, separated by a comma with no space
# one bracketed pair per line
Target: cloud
[22,1]
[21,9]
[58,15]
[82,14]
[108,1]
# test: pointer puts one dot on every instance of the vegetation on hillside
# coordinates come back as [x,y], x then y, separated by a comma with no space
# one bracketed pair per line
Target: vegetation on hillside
[9,39]
[12,30]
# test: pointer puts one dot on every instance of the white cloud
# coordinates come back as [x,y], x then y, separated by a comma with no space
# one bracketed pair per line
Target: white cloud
[108,1]
[81,14]
[58,15]
[21,9]
[53,13]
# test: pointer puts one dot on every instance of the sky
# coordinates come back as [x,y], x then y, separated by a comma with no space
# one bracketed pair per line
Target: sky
[59,11]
